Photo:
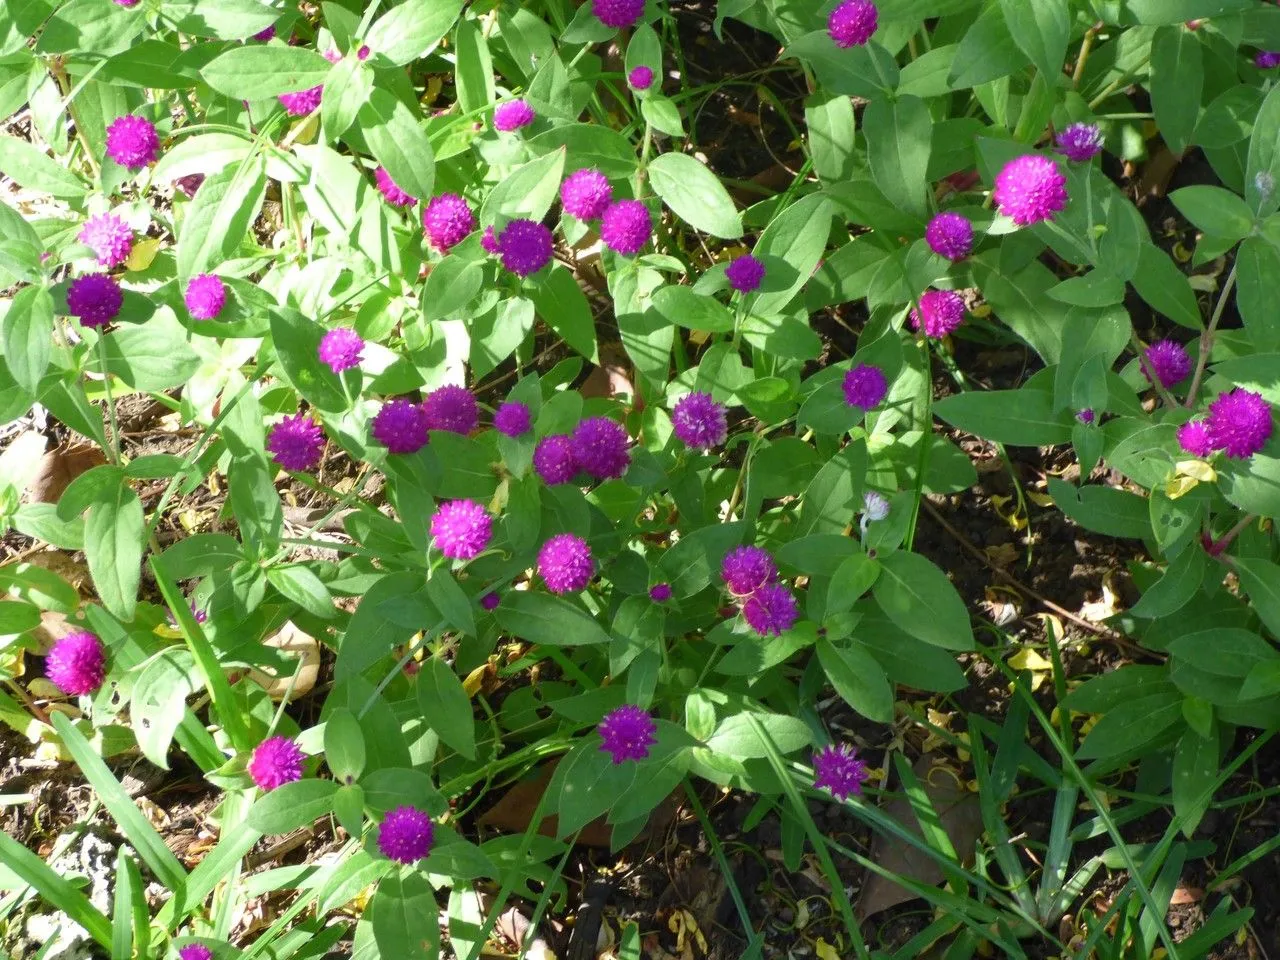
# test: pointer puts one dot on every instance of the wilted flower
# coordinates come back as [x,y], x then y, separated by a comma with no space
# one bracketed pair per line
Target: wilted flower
[1193,437]
[699,421]
[746,569]
[940,313]
[1239,422]
[771,610]
[401,426]
[1170,361]
[95,298]
[625,227]
[874,506]
[553,459]
[340,348]
[617,13]
[392,193]
[745,273]
[640,78]
[296,443]
[600,448]
[512,115]
[565,563]
[405,835]
[460,529]
[865,386]
[950,235]
[840,770]
[586,193]
[77,663]
[1029,189]
[132,142]
[447,220]
[109,237]
[205,297]
[852,23]
[627,733]
[275,762]
[513,419]
[525,247]
[451,408]
[1080,142]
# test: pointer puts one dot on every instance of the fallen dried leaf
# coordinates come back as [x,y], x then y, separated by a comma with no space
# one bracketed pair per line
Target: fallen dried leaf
[58,467]
[304,651]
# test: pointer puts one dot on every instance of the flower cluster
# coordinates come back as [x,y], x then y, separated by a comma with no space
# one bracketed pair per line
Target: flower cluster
[1169,360]
[275,762]
[133,142]
[461,529]
[390,191]
[852,23]
[1238,422]
[640,78]
[1080,142]
[405,835]
[625,227]
[939,314]
[1030,189]
[296,443]
[77,663]
[751,577]
[447,221]
[513,419]
[598,446]
[950,235]
[401,426]
[618,13]
[840,770]
[205,296]
[451,408]
[340,349]
[525,247]
[586,194]
[865,386]
[109,237]
[745,273]
[565,563]
[627,733]
[699,421]
[95,298]
[512,115]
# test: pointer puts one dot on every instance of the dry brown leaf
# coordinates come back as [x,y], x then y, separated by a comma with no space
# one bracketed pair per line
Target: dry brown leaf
[297,646]
[58,467]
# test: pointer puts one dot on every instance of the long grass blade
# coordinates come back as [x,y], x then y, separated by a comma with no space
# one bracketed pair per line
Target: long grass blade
[55,889]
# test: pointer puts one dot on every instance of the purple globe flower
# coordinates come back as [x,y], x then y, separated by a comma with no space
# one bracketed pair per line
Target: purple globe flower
[512,115]
[1266,59]
[1029,189]
[1086,416]
[193,951]
[747,569]
[640,78]
[275,762]
[447,220]
[401,426]
[489,242]
[1170,361]
[600,448]
[206,296]
[839,769]
[490,601]
[852,23]
[109,237]
[1080,142]
[586,193]
[340,349]
[525,247]
[745,273]
[513,419]
[267,34]
[296,443]
[95,298]
[950,235]
[302,102]
[627,732]
[660,592]
[553,459]
[1193,437]
[771,610]
[132,142]
[77,663]
[127,4]
[617,13]
[1239,423]
[390,192]
[405,835]
[189,184]
[451,408]
[939,314]
[865,386]
[625,227]
[565,563]
[699,421]
[461,529]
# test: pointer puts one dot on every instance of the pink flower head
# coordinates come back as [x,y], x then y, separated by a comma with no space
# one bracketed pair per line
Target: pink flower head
[553,459]
[132,142]
[1266,59]
[401,426]
[340,349]
[390,192]
[600,448]
[565,563]
[461,529]
[865,386]
[405,835]
[660,592]
[840,770]
[747,569]
[1086,416]
[296,442]
[950,235]
[95,298]
[1030,188]
[451,408]
[745,273]
[275,762]
[206,296]
[699,421]
[513,419]
[109,237]
[586,193]
[302,102]
[640,78]
[77,663]
[1239,423]
[512,115]
[525,247]
[1080,142]
[618,13]
[489,241]
[193,951]
[771,610]
[939,314]
[1193,437]
[625,227]
[447,220]
[852,23]
[627,732]
[1170,361]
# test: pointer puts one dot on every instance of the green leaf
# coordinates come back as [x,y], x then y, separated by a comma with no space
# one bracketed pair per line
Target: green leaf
[1177,79]
[1095,289]
[799,236]
[861,71]
[919,599]
[297,339]
[1107,510]
[291,806]
[55,888]
[1257,288]
[589,145]
[1215,211]
[835,494]
[224,207]
[404,914]
[33,169]
[298,583]
[18,617]
[347,89]
[28,336]
[224,20]
[155,355]
[829,121]
[561,303]
[1022,417]
[114,537]
[695,194]
[898,144]
[858,678]
[391,787]
[692,564]
[1261,581]
[1041,29]
[130,913]
[453,603]
[1170,11]
[451,285]
[446,707]
[1262,680]
[662,114]
[528,191]
[1132,725]
[398,142]
[681,306]
[158,703]
[547,620]
[258,71]
[987,52]
[1264,157]
[1165,287]
[587,783]
[737,738]
[1176,588]
[410,31]
[344,750]
[473,73]
[1195,769]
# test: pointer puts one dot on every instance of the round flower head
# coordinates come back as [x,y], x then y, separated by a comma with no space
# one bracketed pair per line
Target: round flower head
[627,732]
[1193,437]
[405,835]
[489,242]
[565,563]
[132,142]
[939,314]
[189,184]
[600,448]
[553,459]
[512,115]
[865,386]
[401,426]
[874,506]
[302,102]
[1266,59]
[1170,361]
[205,297]
[771,610]
[699,421]
[660,592]
[490,601]
[95,298]
[747,569]
[625,227]
[77,663]
[1029,189]
[451,408]
[267,34]
[460,529]
[513,419]
[275,762]
[525,247]
[194,951]
[852,23]
[745,273]
[390,192]
[109,237]
[1080,142]
[950,235]
[340,349]
[839,769]
[447,220]
[1239,422]
[1086,416]
[618,13]
[586,193]
[640,78]
[296,443]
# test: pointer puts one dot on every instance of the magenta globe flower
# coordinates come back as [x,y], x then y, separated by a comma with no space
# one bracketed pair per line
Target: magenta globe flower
[512,115]
[1266,59]
[699,421]
[586,193]
[95,298]
[513,419]
[490,601]
[525,247]
[940,313]
[275,762]
[489,242]
[1193,437]
[1086,416]
[1030,189]
[840,770]
[77,663]
[1080,142]
[950,235]
[565,563]
[451,408]
[627,733]
[267,34]
[405,835]
[1170,361]
[128,5]
[340,349]
[132,142]
[461,529]
[401,426]
[640,78]
[447,220]
[618,13]
[660,592]
[852,23]
[746,569]
[205,297]
[625,227]
[1239,423]
[390,191]
[771,610]
[302,102]
[553,459]
[745,273]
[296,443]
[600,448]
[193,951]
[109,237]
[865,386]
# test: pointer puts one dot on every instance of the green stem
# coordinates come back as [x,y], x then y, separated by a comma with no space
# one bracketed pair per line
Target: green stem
[113,450]
[1206,340]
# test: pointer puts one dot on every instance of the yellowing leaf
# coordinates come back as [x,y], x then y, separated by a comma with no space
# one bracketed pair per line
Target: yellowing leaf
[1010,511]
[1030,659]
[826,951]
[1196,469]
[142,255]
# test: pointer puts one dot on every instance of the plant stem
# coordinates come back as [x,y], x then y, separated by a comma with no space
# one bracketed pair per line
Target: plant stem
[1206,339]
[113,450]
[1218,546]
[1085,46]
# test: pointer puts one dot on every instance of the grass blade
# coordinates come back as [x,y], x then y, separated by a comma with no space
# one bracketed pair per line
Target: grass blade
[129,930]
[55,889]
